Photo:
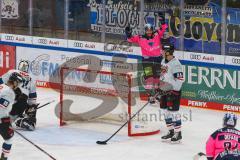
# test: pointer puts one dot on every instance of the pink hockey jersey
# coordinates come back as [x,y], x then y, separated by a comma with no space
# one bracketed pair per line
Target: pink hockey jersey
[221,140]
[150,47]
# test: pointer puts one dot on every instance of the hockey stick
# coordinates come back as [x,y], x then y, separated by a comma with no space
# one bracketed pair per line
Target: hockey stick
[105,142]
[199,155]
[45,104]
[21,135]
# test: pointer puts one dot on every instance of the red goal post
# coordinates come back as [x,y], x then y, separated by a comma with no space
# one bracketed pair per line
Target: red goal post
[78,82]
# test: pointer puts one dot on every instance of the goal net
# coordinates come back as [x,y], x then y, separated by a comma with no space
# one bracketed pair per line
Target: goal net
[90,95]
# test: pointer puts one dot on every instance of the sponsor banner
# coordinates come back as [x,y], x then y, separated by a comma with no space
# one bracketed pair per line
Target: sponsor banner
[211,84]
[9,9]
[50,42]
[198,10]
[122,47]
[45,64]
[231,60]
[211,105]
[7,58]
[85,45]
[200,57]
[16,38]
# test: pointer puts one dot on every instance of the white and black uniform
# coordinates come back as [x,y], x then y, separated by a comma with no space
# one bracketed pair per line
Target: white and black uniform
[7,97]
[25,100]
[172,72]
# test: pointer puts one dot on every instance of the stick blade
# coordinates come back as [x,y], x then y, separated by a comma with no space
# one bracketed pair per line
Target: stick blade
[101,142]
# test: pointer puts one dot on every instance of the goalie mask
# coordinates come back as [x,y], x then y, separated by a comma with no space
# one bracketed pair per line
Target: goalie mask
[23,66]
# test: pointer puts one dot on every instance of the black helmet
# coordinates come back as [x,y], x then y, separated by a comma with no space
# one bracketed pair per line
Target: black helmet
[168,48]
[229,120]
[16,77]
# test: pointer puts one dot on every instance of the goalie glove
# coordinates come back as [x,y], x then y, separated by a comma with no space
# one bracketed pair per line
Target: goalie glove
[161,16]
[128,31]
[31,110]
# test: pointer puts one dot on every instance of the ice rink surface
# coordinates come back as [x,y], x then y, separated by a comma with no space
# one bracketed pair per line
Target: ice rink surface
[77,141]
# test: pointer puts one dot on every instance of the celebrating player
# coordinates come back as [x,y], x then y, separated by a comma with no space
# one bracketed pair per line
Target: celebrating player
[150,44]
[224,144]
[171,72]
[24,109]
[7,97]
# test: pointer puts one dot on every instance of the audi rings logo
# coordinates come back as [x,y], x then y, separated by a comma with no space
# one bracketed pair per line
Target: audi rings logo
[42,41]
[10,38]
[236,61]
[234,50]
[78,44]
[197,57]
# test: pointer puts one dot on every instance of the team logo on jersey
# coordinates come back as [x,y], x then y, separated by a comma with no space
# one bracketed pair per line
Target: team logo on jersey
[151,44]
[10,9]
[4,102]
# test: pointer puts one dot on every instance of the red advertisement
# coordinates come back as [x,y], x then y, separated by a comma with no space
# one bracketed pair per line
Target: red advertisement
[7,58]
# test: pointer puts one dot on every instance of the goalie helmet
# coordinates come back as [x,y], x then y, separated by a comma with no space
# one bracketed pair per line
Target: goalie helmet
[229,120]
[23,66]
[148,26]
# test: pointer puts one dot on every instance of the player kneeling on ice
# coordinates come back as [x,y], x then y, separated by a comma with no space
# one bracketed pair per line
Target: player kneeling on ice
[172,73]
[224,144]
[24,109]
[7,97]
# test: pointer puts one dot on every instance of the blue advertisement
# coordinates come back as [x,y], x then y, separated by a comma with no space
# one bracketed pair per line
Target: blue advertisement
[202,23]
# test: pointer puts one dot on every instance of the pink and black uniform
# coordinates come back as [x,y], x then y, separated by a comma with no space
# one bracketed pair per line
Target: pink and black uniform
[151,49]
[224,143]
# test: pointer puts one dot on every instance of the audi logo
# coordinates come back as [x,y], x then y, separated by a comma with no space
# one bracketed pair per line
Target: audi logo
[11,38]
[236,61]
[197,57]
[42,41]
[78,44]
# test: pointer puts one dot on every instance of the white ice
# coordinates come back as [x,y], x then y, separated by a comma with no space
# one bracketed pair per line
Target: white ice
[77,141]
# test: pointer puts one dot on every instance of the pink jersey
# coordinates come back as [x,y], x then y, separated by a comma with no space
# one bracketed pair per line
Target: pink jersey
[150,47]
[221,140]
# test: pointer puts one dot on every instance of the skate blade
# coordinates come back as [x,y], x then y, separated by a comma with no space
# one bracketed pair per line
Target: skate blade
[166,140]
[176,142]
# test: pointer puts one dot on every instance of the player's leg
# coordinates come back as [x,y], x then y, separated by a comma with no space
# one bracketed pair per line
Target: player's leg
[151,69]
[173,107]
[148,78]
[20,105]
[7,133]
[28,121]
[168,119]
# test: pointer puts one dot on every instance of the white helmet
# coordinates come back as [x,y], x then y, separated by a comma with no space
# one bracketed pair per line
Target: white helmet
[23,66]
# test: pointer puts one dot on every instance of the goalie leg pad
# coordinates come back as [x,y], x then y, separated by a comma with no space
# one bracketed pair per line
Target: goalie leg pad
[26,123]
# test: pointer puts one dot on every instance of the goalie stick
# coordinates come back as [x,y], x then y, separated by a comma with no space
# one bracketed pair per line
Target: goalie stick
[105,142]
[199,155]
[45,104]
[39,148]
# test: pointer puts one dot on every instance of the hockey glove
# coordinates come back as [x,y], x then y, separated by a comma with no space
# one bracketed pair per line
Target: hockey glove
[31,110]
[128,31]
[161,18]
